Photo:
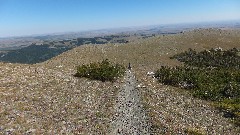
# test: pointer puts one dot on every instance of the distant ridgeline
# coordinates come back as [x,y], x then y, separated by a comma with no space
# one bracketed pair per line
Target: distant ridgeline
[38,53]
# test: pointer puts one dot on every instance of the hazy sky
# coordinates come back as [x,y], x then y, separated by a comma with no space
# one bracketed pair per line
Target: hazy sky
[26,17]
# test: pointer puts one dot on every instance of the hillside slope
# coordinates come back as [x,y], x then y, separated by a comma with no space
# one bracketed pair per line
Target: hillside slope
[46,98]
[150,52]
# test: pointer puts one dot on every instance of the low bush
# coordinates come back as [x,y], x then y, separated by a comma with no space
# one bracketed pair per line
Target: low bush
[104,71]
[213,84]
[210,58]
[211,75]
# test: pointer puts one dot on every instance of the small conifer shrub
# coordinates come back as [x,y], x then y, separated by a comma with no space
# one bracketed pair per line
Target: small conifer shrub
[103,71]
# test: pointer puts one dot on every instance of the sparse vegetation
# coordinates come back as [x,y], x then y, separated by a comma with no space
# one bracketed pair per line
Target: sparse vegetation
[211,75]
[104,71]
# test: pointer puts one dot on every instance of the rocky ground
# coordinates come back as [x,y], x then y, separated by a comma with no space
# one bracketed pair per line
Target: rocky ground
[36,100]
[175,111]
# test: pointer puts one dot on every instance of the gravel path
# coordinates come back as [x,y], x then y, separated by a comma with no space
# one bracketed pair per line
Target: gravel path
[130,115]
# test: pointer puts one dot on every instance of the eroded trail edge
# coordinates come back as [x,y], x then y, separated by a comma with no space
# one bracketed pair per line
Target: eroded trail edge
[130,115]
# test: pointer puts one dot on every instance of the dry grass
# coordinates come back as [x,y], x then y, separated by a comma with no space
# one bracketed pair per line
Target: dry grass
[45,98]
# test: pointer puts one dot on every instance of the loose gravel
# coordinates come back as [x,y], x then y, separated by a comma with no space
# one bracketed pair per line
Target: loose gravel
[130,115]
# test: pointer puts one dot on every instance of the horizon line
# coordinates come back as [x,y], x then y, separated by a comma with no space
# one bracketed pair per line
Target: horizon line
[120,27]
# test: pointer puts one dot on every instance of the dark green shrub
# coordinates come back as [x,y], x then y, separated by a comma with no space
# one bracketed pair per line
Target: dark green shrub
[104,71]
[210,58]
[211,75]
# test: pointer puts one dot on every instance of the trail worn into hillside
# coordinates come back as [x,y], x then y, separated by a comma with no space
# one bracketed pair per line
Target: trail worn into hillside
[130,116]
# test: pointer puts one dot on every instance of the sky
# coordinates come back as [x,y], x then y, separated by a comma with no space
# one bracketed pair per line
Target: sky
[29,17]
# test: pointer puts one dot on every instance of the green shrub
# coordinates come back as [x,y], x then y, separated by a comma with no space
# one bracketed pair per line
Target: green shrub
[104,71]
[210,58]
[210,75]
[213,84]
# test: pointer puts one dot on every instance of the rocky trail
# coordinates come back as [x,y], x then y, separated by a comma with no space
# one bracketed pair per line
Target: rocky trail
[130,115]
